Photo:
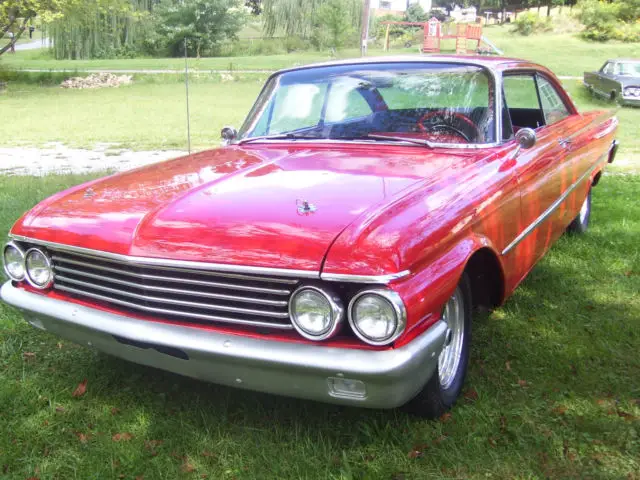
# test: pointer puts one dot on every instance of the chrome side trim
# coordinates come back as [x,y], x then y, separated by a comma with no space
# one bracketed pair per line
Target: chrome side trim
[199,316]
[375,279]
[527,231]
[189,281]
[161,262]
[177,291]
[170,301]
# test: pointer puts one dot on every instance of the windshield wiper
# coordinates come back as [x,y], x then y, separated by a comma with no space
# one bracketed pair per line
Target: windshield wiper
[417,141]
[280,136]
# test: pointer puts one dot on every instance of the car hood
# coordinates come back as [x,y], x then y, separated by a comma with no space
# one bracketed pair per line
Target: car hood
[271,206]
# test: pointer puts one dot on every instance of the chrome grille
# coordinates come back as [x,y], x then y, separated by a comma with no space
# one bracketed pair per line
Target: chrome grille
[176,293]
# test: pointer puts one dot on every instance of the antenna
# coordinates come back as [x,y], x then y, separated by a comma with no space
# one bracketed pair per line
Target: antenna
[186,85]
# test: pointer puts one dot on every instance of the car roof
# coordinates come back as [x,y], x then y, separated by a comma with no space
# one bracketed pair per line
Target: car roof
[616,60]
[490,62]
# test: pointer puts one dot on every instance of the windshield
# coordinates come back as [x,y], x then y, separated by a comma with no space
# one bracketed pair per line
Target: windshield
[430,102]
[631,69]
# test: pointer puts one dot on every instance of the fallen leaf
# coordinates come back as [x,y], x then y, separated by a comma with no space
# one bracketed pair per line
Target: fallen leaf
[122,437]
[626,415]
[60,409]
[492,442]
[522,383]
[508,366]
[187,467]
[560,410]
[471,395]
[140,477]
[601,401]
[60,345]
[439,440]
[445,417]
[207,453]
[81,389]
[414,454]
[84,438]
[28,355]
[115,411]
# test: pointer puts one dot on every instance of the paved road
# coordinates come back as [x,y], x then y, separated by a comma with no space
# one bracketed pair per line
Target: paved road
[35,45]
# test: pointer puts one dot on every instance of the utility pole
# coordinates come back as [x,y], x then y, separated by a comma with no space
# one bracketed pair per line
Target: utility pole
[364,36]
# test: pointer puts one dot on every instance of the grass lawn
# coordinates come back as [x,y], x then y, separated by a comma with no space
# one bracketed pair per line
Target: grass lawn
[551,50]
[553,389]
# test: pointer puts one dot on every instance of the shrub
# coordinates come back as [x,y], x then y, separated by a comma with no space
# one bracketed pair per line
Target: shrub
[610,21]
[528,23]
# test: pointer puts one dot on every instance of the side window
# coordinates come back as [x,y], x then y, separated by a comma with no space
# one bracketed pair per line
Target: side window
[521,96]
[608,69]
[520,91]
[553,107]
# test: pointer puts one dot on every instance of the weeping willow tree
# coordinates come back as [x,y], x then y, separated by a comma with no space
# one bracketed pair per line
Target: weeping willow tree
[298,17]
[100,28]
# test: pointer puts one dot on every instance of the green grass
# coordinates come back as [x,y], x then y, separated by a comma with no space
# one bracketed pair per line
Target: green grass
[551,50]
[552,392]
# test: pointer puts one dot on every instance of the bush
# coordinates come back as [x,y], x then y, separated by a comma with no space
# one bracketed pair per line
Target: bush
[528,23]
[610,21]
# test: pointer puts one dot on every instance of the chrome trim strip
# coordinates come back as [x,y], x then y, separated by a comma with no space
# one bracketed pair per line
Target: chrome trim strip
[337,314]
[177,291]
[199,316]
[189,281]
[549,210]
[398,306]
[170,301]
[374,279]
[161,262]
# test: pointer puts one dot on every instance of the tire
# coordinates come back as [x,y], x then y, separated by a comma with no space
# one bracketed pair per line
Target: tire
[580,224]
[443,388]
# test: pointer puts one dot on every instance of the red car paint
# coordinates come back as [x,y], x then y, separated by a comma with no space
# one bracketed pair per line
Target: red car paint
[381,209]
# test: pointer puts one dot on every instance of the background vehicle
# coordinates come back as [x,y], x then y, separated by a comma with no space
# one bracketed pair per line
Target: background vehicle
[618,80]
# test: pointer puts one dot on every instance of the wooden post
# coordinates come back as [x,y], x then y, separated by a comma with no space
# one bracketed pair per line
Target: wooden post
[386,38]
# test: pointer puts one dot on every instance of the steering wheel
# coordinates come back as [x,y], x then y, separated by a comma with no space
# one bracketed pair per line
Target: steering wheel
[453,121]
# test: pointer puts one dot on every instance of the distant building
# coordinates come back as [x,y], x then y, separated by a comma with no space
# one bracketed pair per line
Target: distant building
[384,7]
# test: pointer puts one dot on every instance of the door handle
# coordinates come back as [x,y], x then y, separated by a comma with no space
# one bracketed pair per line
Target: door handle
[565,142]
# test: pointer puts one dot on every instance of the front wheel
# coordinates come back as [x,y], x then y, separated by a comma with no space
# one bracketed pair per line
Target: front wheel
[443,389]
[580,224]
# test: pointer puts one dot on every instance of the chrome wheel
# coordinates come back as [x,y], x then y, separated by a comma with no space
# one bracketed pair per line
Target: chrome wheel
[449,359]
[584,210]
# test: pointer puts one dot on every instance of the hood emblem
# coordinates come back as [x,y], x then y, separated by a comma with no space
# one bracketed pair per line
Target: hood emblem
[305,208]
[89,193]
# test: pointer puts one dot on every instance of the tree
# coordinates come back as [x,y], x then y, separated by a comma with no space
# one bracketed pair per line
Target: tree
[255,6]
[333,23]
[415,13]
[204,23]
[16,14]
[298,17]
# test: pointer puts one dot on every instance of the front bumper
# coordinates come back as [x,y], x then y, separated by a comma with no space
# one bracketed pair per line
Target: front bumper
[630,102]
[391,377]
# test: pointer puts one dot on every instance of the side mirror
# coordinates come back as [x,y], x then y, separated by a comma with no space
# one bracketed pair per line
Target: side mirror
[526,138]
[228,135]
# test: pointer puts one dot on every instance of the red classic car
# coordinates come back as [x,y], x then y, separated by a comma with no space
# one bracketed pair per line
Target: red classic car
[336,247]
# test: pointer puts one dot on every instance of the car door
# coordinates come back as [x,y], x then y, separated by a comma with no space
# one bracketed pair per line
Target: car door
[539,170]
[608,85]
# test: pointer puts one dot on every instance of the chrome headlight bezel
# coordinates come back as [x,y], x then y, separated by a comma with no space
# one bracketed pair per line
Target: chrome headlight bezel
[17,248]
[393,299]
[337,313]
[49,266]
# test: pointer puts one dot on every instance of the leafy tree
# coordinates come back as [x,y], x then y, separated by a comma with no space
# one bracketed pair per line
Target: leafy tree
[298,17]
[255,6]
[415,13]
[333,24]
[16,14]
[204,23]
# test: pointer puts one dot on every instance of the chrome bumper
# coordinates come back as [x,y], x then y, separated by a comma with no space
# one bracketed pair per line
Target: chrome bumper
[630,102]
[390,377]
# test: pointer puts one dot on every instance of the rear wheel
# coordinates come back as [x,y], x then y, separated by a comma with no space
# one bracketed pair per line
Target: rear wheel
[580,224]
[443,389]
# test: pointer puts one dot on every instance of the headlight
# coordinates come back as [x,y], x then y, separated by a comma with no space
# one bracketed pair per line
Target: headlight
[13,258]
[377,317]
[632,92]
[315,314]
[38,266]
